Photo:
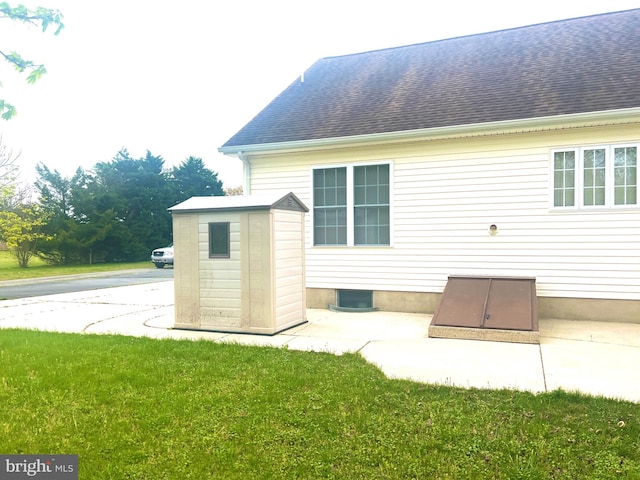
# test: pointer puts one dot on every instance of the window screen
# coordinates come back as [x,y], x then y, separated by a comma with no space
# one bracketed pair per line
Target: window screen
[371,205]
[564,173]
[626,175]
[330,206]
[594,176]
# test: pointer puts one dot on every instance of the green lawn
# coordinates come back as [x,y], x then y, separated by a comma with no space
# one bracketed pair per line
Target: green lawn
[9,269]
[167,409]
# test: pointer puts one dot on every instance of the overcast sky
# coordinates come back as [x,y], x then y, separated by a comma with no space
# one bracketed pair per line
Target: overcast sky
[178,78]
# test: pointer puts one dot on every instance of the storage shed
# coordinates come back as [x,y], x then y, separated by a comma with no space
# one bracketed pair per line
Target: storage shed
[239,263]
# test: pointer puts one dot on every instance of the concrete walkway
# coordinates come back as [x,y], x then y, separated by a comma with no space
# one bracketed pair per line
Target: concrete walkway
[590,357]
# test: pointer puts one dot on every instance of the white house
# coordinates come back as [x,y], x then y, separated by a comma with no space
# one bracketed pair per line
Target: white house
[510,153]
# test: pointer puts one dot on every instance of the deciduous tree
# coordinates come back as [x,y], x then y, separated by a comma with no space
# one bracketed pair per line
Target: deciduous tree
[8,173]
[22,231]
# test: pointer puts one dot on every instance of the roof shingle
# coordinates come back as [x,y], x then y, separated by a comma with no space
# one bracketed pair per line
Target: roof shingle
[572,66]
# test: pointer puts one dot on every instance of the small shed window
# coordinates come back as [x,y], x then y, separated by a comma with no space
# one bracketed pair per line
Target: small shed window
[219,240]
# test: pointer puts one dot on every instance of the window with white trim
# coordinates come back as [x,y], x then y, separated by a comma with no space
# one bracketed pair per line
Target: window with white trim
[330,206]
[351,205]
[595,177]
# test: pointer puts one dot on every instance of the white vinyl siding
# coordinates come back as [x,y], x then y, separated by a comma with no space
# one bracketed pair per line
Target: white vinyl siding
[446,194]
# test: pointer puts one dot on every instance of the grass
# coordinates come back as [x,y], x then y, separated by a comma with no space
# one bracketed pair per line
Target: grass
[168,409]
[9,269]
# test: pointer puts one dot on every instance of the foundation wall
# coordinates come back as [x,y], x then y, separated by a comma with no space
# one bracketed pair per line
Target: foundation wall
[560,308]
[589,309]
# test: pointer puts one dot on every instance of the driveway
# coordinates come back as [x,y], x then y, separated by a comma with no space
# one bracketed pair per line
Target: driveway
[34,287]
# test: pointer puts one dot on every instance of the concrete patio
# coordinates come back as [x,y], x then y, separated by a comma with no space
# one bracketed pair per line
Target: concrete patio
[589,357]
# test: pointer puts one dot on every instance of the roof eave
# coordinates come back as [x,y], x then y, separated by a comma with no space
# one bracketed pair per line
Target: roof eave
[555,122]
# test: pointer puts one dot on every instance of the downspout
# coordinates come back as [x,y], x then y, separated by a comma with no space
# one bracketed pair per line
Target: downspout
[246,170]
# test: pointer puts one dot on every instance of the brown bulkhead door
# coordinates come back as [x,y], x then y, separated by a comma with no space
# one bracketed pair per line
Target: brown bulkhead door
[507,303]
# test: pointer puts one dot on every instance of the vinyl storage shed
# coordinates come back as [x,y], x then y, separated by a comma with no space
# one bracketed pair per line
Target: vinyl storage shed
[239,263]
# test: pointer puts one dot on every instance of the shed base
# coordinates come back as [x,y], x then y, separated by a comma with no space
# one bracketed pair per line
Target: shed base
[263,332]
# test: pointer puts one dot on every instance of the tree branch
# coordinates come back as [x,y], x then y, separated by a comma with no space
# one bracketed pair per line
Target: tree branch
[45,17]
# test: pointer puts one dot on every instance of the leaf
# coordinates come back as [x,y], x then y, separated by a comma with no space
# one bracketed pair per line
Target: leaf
[8,110]
[45,17]
[36,74]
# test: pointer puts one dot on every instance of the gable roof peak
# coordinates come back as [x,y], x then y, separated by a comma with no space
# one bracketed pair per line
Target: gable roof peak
[477,34]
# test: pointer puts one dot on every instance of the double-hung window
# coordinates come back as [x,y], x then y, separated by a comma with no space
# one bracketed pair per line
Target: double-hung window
[592,177]
[330,206]
[351,205]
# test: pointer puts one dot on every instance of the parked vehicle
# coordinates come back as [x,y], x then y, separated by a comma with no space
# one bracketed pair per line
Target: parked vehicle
[162,256]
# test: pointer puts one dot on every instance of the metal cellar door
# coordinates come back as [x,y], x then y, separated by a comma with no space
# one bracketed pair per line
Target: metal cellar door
[506,303]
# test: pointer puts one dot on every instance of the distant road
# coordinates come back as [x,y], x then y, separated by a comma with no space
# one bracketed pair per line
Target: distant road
[77,283]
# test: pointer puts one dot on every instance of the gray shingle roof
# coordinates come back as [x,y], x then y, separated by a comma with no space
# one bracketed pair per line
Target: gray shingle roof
[572,66]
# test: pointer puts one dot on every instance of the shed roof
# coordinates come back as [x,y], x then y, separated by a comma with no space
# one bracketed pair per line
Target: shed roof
[267,201]
[587,64]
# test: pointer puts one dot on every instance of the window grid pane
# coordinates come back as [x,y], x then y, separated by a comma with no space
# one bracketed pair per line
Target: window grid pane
[594,177]
[371,205]
[625,175]
[330,206]
[564,165]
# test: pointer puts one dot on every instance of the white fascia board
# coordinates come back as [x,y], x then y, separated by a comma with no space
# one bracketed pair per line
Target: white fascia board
[556,122]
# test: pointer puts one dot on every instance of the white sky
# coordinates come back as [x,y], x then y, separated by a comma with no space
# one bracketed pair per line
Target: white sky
[179,78]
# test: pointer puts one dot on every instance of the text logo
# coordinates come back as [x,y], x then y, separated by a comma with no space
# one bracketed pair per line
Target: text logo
[45,467]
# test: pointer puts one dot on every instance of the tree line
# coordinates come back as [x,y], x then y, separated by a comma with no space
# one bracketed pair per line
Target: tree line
[115,212]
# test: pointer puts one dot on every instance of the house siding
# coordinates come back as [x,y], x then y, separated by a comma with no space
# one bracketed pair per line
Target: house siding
[445,195]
